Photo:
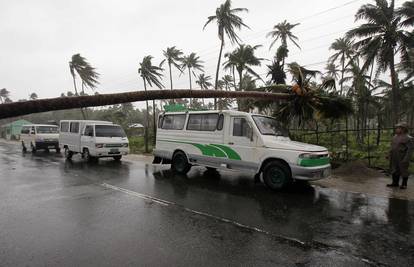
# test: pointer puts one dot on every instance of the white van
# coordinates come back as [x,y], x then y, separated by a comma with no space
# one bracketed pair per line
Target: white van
[234,140]
[93,139]
[39,136]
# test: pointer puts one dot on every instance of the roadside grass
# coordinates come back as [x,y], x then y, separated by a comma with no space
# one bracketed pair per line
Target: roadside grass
[137,145]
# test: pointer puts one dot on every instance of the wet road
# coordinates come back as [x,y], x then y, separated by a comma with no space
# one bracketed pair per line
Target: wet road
[55,212]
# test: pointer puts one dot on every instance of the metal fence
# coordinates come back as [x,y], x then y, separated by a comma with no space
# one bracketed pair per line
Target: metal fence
[369,145]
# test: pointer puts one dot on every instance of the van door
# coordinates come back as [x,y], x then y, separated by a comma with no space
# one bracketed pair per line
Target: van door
[243,142]
[87,138]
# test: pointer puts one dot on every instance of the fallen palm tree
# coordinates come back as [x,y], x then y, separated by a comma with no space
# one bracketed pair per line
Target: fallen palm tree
[60,103]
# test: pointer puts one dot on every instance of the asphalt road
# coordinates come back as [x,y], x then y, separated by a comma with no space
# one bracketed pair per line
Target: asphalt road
[59,213]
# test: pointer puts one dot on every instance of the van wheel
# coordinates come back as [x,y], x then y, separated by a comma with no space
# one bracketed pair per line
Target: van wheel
[276,175]
[68,153]
[24,149]
[33,147]
[117,158]
[88,156]
[180,163]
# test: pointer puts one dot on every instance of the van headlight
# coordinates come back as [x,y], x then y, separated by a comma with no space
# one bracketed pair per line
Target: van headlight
[309,156]
[99,145]
[125,145]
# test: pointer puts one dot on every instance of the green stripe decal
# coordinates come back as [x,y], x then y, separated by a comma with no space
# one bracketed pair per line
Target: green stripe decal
[231,154]
[314,162]
[212,150]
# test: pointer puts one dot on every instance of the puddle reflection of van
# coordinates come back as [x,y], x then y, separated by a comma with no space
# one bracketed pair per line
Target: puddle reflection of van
[39,137]
[232,140]
[93,139]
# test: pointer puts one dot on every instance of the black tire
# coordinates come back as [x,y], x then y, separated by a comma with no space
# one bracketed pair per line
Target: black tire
[33,147]
[179,163]
[68,153]
[117,158]
[58,150]
[277,175]
[24,148]
[88,156]
[211,169]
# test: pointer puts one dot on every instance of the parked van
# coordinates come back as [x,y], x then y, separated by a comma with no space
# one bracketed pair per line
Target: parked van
[40,136]
[232,140]
[93,139]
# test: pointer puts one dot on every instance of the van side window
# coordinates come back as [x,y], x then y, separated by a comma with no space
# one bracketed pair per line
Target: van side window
[64,127]
[89,130]
[173,122]
[25,130]
[160,119]
[202,122]
[240,127]
[74,127]
[220,122]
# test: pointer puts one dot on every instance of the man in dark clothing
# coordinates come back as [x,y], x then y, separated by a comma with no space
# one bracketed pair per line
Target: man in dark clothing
[400,155]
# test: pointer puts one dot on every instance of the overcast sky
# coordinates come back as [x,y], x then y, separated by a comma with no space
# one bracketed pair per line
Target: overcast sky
[39,37]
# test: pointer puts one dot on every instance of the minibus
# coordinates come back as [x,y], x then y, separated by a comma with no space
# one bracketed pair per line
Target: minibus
[93,139]
[39,137]
[239,141]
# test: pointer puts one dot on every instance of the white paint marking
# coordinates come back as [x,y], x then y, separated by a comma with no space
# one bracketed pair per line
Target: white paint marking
[135,194]
[167,203]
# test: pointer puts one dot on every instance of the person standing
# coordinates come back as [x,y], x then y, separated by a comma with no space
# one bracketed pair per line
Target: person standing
[400,155]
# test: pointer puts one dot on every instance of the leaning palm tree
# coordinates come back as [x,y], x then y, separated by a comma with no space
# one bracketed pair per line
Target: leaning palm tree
[344,53]
[227,22]
[381,38]
[150,74]
[283,31]
[173,57]
[88,75]
[192,62]
[204,82]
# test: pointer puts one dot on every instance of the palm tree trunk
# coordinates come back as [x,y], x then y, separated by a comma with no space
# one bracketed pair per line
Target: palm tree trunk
[218,69]
[171,81]
[239,101]
[395,92]
[342,75]
[76,93]
[146,120]
[16,109]
[154,122]
[191,87]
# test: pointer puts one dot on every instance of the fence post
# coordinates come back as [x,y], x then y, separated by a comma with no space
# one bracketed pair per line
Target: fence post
[369,150]
[346,138]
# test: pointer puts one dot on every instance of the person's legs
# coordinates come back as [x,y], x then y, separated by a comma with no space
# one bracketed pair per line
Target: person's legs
[404,174]
[404,183]
[395,177]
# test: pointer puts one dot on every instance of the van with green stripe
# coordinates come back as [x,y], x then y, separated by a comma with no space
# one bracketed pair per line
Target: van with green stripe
[239,141]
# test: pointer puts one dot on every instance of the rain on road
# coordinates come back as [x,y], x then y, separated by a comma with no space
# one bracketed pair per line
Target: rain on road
[57,212]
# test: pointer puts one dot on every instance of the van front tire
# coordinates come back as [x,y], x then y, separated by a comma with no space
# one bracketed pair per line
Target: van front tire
[117,158]
[276,175]
[179,163]
[68,153]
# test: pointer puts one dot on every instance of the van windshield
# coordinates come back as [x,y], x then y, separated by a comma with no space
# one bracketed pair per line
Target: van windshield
[46,129]
[109,131]
[269,126]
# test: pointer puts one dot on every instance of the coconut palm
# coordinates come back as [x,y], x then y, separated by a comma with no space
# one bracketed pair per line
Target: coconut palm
[192,62]
[227,22]
[227,82]
[150,74]
[283,31]
[4,94]
[33,96]
[407,12]
[276,73]
[344,53]
[332,71]
[204,82]
[88,75]
[173,57]
[243,59]
[380,38]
